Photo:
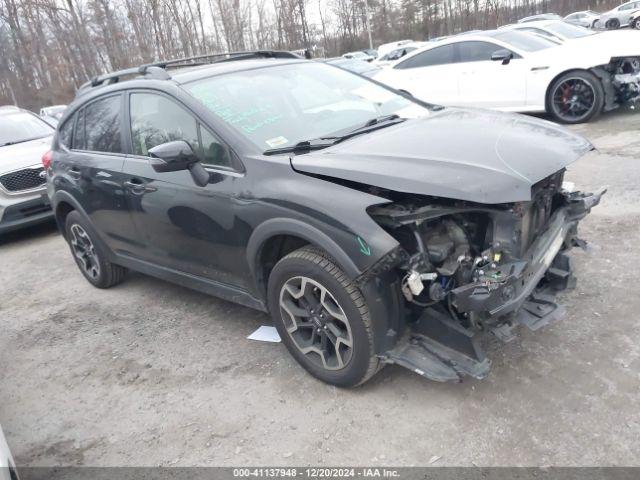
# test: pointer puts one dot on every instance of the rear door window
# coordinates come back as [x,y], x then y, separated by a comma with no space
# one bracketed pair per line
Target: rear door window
[101,125]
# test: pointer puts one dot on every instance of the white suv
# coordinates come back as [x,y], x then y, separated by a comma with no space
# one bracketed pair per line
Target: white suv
[24,138]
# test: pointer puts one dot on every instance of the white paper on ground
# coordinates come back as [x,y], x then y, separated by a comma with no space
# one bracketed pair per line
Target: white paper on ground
[265,334]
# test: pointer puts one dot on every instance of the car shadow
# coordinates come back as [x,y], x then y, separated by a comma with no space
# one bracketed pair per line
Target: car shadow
[29,233]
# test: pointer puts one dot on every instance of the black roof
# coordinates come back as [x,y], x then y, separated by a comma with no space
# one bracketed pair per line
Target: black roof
[190,68]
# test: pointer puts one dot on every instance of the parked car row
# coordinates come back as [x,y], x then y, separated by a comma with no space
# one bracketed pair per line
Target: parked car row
[625,15]
[568,72]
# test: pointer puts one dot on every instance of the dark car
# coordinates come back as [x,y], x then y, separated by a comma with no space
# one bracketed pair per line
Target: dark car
[374,228]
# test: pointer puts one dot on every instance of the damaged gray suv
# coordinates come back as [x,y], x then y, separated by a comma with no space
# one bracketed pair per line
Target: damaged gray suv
[375,229]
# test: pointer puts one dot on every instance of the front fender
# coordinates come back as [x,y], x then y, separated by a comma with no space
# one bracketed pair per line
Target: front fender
[298,228]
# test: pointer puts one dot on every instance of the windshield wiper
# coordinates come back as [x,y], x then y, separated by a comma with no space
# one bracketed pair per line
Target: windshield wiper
[324,142]
[373,124]
[303,146]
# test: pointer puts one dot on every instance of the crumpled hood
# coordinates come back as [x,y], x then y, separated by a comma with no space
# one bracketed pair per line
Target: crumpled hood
[25,154]
[464,154]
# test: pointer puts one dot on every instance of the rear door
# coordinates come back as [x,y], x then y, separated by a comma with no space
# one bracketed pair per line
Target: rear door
[487,83]
[431,75]
[91,163]
[186,228]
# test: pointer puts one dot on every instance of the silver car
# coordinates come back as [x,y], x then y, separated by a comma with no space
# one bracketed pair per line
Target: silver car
[53,114]
[24,138]
[586,18]
[619,16]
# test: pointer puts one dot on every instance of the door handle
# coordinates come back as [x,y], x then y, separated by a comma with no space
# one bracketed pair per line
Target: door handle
[75,173]
[136,186]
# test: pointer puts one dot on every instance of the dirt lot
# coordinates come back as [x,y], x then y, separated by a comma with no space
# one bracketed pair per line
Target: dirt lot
[149,373]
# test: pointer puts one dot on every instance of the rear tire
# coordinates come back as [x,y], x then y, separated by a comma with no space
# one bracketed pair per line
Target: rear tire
[322,318]
[636,24]
[89,254]
[575,97]
[612,24]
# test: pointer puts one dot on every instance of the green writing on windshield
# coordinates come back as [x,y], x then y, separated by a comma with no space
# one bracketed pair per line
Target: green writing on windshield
[249,120]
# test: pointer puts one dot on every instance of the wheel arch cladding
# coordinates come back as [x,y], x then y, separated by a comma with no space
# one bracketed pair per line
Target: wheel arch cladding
[64,203]
[297,233]
[63,209]
[278,237]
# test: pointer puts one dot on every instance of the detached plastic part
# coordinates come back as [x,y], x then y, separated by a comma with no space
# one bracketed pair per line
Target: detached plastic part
[440,350]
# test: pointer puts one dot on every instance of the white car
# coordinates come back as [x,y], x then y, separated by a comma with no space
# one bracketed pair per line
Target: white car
[516,71]
[540,16]
[388,47]
[52,114]
[619,16]
[24,138]
[398,53]
[586,18]
[358,56]
[561,32]
[7,466]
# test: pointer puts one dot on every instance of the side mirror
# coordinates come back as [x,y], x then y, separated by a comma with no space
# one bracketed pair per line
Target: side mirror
[502,55]
[178,155]
[172,156]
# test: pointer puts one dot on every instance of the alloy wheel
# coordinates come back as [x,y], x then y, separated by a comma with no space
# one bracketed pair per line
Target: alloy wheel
[84,251]
[574,99]
[636,24]
[316,323]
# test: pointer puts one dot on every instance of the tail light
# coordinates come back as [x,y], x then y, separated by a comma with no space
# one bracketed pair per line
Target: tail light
[46,159]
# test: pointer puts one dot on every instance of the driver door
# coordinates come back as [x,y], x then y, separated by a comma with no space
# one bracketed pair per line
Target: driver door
[491,84]
[185,228]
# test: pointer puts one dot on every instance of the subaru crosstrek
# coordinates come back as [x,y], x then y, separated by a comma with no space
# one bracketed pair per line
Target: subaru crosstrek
[373,227]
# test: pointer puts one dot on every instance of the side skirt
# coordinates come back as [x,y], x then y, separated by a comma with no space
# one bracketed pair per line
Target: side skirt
[204,285]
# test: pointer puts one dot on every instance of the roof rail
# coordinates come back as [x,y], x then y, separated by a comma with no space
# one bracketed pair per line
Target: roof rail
[157,70]
[222,57]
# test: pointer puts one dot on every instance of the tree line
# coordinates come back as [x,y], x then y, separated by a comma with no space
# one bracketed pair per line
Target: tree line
[48,48]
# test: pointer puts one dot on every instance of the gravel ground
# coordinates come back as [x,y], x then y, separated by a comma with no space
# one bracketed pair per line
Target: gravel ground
[149,373]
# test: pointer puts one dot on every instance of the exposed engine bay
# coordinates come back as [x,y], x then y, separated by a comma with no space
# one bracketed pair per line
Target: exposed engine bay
[467,269]
[621,80]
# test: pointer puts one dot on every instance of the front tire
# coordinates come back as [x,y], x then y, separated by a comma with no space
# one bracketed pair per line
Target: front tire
[575,97]
[89,254]
[322,318]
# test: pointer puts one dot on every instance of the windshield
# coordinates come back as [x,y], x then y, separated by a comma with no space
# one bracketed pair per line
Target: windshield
[21,127]
[569,31]
[525,41]
[280,106]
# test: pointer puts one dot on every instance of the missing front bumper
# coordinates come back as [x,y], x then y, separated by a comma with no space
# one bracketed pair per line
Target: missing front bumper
[441,349]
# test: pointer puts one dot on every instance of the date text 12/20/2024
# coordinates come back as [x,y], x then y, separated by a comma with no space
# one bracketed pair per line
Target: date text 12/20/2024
[293,472]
